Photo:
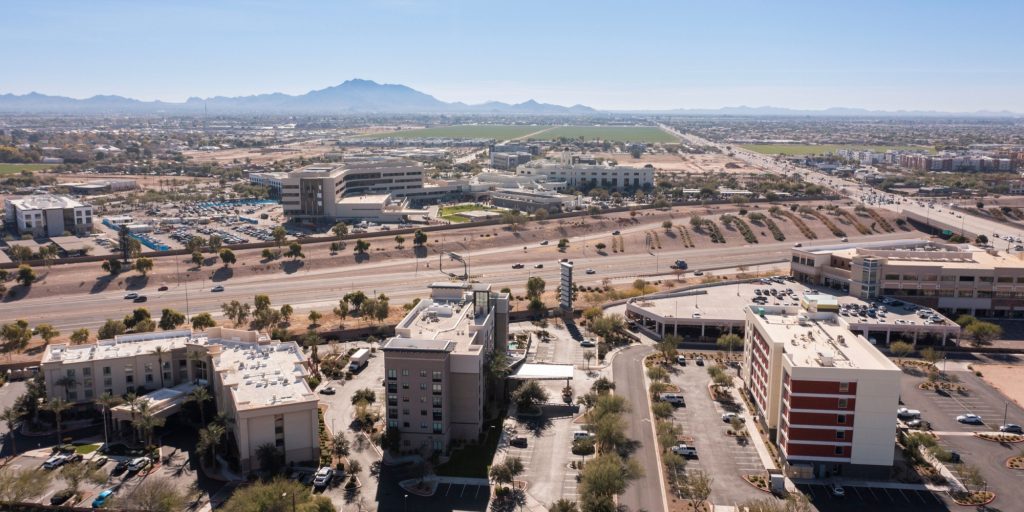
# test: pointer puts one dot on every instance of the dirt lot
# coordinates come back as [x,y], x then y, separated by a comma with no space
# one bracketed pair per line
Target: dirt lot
[686,163]
[307,149]
[142,181]
[1005,378]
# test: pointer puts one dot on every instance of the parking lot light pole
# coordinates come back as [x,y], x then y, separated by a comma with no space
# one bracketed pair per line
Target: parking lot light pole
[1006,406]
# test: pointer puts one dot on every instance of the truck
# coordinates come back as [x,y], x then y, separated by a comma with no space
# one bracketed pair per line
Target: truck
[684,450]
[359,359]
[680,265]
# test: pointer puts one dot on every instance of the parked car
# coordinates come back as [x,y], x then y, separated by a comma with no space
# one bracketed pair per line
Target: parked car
[539,265]
[681,359]
[699,361]
[119,468]
[544,242]
[970,419]
[163,288]
[138,464]
[918,424]
[100,461]
[684,450]
[55,462]
[698,273]
[616,232]
[102,498]
[74,457]
[519,442]
[1011,428]
[61,496]
[329,390]
[728,417]
[588,343]
[131,295]
[323,478]
[591,271]
[581,434]
[906,414]
[675,399]
[217,288]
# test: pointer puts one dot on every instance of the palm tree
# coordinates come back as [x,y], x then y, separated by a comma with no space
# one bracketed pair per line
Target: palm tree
[133,401]
[67,382]
[200,395]
[57,407]
[106,401]
[159,353]
[210,438]
[11,415]
[146,422]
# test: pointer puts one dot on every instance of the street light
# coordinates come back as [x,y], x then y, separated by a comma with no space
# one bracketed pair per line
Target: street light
[405,503]
[284,495]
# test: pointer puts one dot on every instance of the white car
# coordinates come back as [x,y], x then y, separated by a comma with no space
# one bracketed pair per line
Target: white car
[728,417]
[131,295]
[907,414]
[591,271]
[323,477]
[55,462]
[684,450]
[138,464]
[970,419]
[217,288]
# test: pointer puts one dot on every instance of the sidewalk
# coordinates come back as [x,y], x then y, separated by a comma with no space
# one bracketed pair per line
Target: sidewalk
[753,434]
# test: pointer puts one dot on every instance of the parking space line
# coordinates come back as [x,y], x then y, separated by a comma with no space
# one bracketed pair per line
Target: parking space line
[918,494]
[463,491]
[872,491]
[934,497]
[904,495]
[888,495]
[858,494]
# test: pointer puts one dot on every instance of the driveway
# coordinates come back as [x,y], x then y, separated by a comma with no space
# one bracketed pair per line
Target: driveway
[628,371]
[725,458]
[548,453]
[858,499]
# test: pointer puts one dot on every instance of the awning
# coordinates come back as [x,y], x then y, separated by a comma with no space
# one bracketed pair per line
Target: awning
[536,371]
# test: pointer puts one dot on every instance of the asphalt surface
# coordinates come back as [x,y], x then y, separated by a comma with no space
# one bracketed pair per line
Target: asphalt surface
[858,499]
[644,493]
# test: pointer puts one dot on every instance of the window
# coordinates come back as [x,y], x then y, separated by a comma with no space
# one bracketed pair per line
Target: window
[392,423]
[840,434]
[966,279]
[839,450]
[843,403]
[985,279]
[392,412]
[86,372]
[841,419]
[437,401]
[405,411]
[106,370]
[405,373]
[149,378]
[438,427]
[71,372]
[423,386]
[73,395]
[844,387]
[392,374]
[948,278]
[965,293]
[405,385]
[1004,280]
[129,380]
[148,367]
[892,277]
[107,382]
[423,412]
[437,376]
[405,424]
[437,389]
[423,425]
[423,373]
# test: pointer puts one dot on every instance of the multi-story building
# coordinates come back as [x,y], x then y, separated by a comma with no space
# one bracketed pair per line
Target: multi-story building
[582,176]
[435,366]
[272,180]
[509,161]
[258,382]
[48,215]
[955,279]
[958,162]
[528,200]
[826,396]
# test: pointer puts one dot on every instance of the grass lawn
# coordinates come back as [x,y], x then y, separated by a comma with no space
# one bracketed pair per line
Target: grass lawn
[86,449]
[816,149]
[16,168]
[451,213]
[646,134]
[470,131]
[472,461]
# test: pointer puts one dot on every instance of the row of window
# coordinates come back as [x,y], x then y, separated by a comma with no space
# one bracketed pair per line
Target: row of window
[981,294]
[393,374]
[950,279]
[437,400]
[438,427]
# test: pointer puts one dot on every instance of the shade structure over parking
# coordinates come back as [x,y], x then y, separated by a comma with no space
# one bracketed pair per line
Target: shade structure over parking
[537,371]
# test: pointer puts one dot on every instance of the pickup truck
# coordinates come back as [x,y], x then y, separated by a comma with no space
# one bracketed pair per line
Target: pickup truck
[684,450]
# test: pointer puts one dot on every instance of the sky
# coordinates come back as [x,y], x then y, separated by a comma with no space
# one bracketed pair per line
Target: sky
[944,55]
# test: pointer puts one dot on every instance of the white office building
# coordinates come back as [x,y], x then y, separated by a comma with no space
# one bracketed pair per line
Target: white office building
[48,215]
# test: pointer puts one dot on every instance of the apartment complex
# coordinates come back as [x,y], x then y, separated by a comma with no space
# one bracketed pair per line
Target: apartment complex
[826,396]
[258,382]
[958,162]
[583,176]
[954,279]
[48,215]
[435,366]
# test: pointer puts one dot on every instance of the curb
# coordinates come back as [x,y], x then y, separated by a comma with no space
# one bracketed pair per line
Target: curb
[654,432]
[1007,463]
[754,486]
[990,500]
[978,435]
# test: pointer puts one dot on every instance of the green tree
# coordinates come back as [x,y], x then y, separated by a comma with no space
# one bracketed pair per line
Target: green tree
[47,332]
[965,320]
[900,349]
[111,328]
[600,246]
[16,336]
[419,238]
[215,243]
[57,406]
[399,241]
[270,458]
[981,333]
[667,225]
[227,256]
[696,221]
[534,287]
[295,251]
[280,235]
[605,477]
[202,321]
[340,229]
[11,416]
[261,301]
[730,342]
[529,395]
[362,246]
[26,275]
[197,258]
[80,336]
[277,495]
[563,243]
[200,395]
[143,265]
[153,494]
[170,319]
[209,439]
[668,347]
[112,266]
[507,470]
[75,473]
[314,317]
[107,401]
[695,486]
[364,395]
[342,310]
[20,254]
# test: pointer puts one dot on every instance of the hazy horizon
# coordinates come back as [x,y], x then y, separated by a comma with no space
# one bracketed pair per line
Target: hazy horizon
[915,55]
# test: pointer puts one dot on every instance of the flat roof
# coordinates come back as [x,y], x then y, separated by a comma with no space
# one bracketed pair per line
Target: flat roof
[365,199]
[72,243]
[263,375]
[44,202]
[537,371]
[418,344]
[819,340]
[443,321]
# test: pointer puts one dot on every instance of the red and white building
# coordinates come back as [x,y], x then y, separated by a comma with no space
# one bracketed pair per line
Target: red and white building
[827,397]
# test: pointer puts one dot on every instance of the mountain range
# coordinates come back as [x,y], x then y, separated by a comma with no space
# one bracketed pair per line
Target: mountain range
[351,96]
[366,96]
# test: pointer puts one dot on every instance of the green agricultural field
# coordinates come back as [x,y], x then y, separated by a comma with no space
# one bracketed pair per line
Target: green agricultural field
[16,168]
[469,131]
[819,149]
[645,134]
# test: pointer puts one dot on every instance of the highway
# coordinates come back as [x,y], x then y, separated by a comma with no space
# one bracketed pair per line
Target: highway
[938,214]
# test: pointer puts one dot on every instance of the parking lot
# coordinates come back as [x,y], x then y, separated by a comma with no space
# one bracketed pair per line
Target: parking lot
[548,453]
[726,458]
[874,498]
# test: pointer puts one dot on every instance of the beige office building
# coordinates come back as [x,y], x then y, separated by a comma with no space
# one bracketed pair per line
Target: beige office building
[434,366]
[258,382]
[954,279]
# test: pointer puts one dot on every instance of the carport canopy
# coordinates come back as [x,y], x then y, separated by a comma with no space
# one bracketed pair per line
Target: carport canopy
[537,371]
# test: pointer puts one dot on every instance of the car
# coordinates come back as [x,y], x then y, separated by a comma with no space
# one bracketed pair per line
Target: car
[131,295]
[798,244]
[517,265]
[544,242]
[837,490]
[1011,428]
[698,272]
[581,434]
[681,359]
[74,457]
[539,265]
[217,288]
[163,288]
[684,450]
[844,239]
[55,462]
[616,232]
[519,442]
[138,464]
[588,343]
[918,424]
[119,468]
[970,419]
[140,298]
[61,496]
[323,477]
[329,390]
[102,498]
[907,414]
[591,271]
[699,361]
[100,461]
[728,417]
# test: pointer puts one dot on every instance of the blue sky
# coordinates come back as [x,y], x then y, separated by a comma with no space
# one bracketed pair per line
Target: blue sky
[937,54]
